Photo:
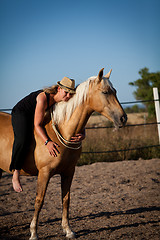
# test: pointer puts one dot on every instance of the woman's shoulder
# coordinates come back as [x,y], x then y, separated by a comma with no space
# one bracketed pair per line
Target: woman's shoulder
[42,97]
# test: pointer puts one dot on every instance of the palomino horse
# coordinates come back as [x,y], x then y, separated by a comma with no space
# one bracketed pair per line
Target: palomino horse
[96,94]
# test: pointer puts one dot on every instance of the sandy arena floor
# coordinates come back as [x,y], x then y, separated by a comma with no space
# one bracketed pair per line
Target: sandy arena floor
[112,201]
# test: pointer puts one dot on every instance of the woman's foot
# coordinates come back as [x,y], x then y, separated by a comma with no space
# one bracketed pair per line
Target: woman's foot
[16,181]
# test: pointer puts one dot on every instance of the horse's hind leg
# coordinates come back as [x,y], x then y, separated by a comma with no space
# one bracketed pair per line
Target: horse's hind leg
[43,179]
[65,186]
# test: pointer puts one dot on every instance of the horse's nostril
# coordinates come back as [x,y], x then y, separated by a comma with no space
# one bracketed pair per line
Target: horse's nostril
[124,119]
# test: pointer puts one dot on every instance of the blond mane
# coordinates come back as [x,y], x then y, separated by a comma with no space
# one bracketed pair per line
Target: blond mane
[64,110]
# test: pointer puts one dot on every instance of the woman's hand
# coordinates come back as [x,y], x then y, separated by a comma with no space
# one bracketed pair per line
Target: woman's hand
[78,137]
[53,148]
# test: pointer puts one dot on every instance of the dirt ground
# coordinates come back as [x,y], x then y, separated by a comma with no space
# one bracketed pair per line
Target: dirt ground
[112,201]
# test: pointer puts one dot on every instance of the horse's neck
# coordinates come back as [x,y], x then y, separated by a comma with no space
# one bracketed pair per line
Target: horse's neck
[76,123]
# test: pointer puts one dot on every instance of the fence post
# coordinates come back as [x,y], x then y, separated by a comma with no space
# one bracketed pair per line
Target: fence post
[157,107]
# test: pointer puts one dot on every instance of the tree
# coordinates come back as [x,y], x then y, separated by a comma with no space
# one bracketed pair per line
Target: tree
[144,88]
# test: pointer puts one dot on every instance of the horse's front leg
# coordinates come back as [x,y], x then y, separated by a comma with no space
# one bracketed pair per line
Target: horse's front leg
[42,183]
[65,186]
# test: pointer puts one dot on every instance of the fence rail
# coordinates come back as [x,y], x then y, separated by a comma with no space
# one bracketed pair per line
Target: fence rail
[123,103]
[140,101]
[5,109]
[123,150]
[128,125]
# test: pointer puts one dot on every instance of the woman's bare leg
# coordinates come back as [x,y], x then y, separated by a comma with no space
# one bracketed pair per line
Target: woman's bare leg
[16,181]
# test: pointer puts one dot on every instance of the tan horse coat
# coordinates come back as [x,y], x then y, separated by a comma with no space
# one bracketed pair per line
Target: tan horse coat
[100,96]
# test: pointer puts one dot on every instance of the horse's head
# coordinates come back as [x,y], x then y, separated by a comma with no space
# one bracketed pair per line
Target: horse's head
[103,99]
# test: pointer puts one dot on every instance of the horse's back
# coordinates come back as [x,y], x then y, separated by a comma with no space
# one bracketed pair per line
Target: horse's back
[6,144]
[6,130]
[6,140]
[5,121]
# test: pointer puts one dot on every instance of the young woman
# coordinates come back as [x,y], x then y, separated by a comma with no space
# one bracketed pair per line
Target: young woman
[28,114]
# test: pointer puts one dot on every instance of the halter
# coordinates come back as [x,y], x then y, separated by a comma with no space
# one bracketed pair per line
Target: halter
[61,139]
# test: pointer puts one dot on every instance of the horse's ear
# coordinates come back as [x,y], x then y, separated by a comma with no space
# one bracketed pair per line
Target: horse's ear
[100,74]
[108,74]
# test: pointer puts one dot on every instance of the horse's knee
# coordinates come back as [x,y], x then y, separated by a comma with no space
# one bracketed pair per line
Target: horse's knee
[38,203]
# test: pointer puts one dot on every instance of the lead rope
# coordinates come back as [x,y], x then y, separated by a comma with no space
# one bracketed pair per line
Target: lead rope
[60,138]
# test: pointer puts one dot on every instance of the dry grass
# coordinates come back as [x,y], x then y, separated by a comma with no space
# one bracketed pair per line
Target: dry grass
[109,139]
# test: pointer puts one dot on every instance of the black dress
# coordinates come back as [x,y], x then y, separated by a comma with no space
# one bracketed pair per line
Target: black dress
[23,123]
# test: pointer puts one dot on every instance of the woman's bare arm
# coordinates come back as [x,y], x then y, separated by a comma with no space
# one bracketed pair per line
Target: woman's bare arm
[38,123]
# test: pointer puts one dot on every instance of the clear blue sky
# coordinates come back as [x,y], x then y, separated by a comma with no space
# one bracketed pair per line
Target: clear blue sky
[41,41]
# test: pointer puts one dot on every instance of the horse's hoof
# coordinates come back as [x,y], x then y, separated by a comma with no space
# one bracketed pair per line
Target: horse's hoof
[35,237]
[71,235]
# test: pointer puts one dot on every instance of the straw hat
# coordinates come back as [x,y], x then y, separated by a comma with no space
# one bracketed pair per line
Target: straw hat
[67,84]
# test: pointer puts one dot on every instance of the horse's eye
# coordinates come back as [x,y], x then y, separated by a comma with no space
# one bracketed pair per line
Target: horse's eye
[104,92]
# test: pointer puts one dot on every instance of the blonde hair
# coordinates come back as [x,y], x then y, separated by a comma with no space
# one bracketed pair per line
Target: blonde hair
[53,89]
[65,109]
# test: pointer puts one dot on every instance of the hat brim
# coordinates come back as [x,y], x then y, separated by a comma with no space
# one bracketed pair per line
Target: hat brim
[67,89]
